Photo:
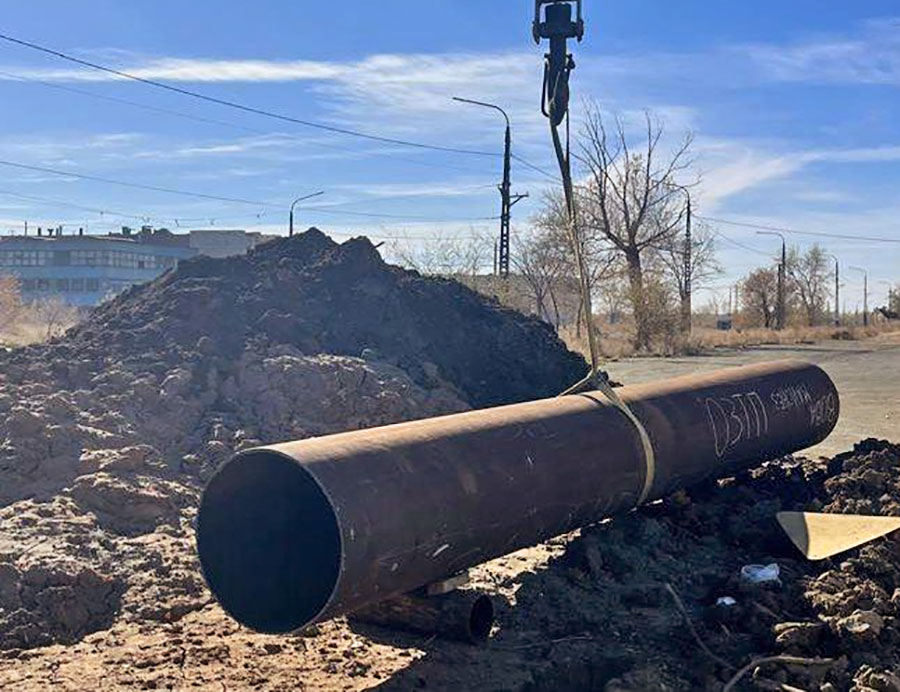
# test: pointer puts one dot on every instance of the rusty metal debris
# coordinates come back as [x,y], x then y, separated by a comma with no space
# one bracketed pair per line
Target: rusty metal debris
[304,531]
[819,536]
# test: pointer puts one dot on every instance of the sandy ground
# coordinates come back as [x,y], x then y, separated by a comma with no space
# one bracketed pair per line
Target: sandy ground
[866,373]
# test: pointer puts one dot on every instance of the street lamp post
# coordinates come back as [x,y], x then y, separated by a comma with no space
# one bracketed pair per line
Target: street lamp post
[865,294]
[837,291]
[782,268]
[507,200]
[294,204]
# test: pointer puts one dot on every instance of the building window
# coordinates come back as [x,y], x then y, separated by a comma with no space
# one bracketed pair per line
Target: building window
[62,284]
[43,284]
[92,284]
[25,258]
[84,258]
[28,284]
[76,284]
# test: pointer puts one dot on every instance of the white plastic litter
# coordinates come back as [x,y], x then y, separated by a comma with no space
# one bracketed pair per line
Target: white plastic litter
[761,574]
[725,601]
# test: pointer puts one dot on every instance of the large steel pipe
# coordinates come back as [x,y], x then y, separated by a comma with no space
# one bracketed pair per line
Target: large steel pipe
[300,532]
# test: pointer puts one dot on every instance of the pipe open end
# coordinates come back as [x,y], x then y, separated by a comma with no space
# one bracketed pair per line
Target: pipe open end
[268,542]
[481,619]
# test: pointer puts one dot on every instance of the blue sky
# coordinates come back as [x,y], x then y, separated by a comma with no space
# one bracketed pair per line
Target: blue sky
[794,106]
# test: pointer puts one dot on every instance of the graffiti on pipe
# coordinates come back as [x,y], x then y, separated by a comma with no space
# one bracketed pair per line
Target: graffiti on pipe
[736,418]
[824,410]
[791,397]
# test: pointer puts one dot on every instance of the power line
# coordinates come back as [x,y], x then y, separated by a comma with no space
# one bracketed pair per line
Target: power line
[408,195]
[135,104]
[426,238]
[542,171]
[339,212]
[140,186]
[243,107]
[146,218]
[839,236]
[225,123]
[741,245]
[177,221]
[102,212]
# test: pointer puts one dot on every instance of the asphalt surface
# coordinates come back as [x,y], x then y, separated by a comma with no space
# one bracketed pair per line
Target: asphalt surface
[866,373]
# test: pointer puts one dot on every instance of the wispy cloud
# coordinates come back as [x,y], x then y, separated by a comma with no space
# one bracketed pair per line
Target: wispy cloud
[870,56]
[195,70]
[734,166]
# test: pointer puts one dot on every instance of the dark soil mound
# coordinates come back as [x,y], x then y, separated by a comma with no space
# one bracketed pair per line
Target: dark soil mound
[607,603]
[107,434]
[321,297]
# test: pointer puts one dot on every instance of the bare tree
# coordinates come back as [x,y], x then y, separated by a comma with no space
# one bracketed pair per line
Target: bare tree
[52,315]
[760,296]
[553,225]
[10,303]
[671,252]
[612,295]
[630,199]
[810,276]
[541,264]
[446,256]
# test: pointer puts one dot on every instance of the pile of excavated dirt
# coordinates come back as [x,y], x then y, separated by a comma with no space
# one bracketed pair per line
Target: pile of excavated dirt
[107,434]
[653,600]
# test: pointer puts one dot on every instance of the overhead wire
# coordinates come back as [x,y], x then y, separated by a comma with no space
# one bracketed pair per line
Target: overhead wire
[740,245]
[225,123]
[140,186]
[822,234]
[542,171]
[177,220]
[201,195]
[374,215]
[243,107]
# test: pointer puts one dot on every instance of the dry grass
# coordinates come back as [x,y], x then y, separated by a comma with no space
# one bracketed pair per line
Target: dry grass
[742,338]
[37,322]
[24,323]
[616,340]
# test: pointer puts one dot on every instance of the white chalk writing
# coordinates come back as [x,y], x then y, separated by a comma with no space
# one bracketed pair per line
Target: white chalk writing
[824,410]
[736,418]
[791,396]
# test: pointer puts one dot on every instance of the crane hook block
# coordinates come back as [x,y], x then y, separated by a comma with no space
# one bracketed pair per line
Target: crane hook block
[557,21]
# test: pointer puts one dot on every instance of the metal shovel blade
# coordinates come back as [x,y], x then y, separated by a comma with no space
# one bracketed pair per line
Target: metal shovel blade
[819,536]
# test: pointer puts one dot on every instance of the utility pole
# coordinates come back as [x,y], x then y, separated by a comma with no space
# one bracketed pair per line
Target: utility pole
[507,200]
[865,294]
[294,203]
[837,291]
[782,268]
[687,263]
[686,306]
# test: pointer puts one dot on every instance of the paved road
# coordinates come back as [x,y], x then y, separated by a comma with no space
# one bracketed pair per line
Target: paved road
[866,373]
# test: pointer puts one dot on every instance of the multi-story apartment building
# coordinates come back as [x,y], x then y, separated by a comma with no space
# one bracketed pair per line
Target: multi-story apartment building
[84,270]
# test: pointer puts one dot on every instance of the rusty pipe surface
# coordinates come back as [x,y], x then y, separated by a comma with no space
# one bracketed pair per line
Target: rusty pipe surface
[300,532]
